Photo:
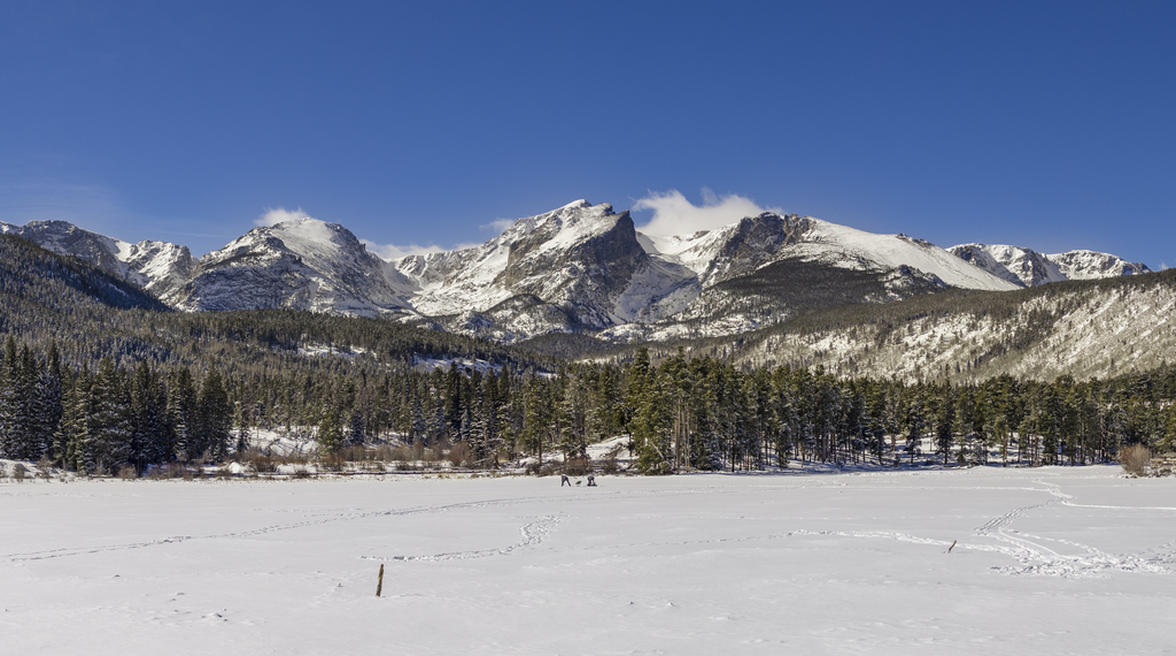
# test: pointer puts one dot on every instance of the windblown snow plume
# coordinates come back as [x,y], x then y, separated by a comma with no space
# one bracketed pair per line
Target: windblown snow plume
[674,214]
[275,215]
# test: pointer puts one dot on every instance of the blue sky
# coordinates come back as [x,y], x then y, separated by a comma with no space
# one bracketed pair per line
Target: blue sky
[1044,124]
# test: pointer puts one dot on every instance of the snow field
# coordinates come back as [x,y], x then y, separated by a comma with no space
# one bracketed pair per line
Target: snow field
[1048,561]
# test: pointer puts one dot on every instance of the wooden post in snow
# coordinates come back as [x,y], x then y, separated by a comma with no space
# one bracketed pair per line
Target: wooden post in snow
[953,544]
[380,581]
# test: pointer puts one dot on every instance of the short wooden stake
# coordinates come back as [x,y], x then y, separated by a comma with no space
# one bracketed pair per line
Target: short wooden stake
[953,544]
[380,581]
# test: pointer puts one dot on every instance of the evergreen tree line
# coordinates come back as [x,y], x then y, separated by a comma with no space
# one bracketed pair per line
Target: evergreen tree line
[106,420]
[681,414]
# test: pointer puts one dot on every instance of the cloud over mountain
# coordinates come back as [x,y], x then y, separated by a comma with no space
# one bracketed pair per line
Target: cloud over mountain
[674,214]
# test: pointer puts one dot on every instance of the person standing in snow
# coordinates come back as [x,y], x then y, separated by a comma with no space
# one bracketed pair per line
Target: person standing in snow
[563,480]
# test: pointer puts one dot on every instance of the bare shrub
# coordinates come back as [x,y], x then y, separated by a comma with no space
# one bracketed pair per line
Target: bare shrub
[458,454]
[128,473]
[355,453]
[156,472]
[400,454]
[332,462]
[260,462]
[610,465]
[435,454]
[19,472]
[1134,459]
[577,467]
[389,453]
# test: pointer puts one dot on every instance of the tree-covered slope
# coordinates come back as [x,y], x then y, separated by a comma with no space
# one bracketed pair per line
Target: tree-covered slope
[45,297]
[1099,328]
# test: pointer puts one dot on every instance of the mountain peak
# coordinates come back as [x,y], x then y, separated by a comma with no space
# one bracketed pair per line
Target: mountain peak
[1027,267]
[578,203]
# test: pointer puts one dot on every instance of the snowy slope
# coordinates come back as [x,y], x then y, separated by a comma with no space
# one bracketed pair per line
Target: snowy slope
[771,237]
[1089,265]
[1085,331]
[764,269]
[1028,268]
[303,264]
[578,267]
[157,266]
[850,247]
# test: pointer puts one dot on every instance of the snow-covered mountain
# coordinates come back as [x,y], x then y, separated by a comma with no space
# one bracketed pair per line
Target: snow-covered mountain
[1027,268]
[580,268]
[157,266]
[303,264]
[1089,265]
[763,269]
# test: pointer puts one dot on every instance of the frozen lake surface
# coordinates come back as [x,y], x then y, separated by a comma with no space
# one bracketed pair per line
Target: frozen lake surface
[1047,561]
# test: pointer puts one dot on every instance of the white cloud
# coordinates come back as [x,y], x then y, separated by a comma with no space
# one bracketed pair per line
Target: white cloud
[274,215]
[674,214]
[498,225]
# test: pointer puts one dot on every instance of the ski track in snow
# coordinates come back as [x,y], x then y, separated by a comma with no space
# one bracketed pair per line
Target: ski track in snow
[1036,557]
[1033,553]
[65,552]
[533,532]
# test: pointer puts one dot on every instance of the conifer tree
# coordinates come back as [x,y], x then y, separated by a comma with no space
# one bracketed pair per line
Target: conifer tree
[109,426]
[242,419]
[651,422]
[47,415]
[330,431]
[215,416]
[13,407]
[74,430]
[182,415]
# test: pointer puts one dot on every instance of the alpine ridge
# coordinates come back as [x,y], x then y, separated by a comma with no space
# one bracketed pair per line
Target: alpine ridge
[581,268]
[1026,268]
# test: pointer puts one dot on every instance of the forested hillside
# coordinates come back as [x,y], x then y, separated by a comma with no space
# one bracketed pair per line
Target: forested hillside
[92,386]
[1085,329]
[682,414]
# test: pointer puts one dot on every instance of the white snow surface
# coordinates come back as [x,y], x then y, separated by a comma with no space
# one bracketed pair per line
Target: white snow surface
[1046,561]
[893,251]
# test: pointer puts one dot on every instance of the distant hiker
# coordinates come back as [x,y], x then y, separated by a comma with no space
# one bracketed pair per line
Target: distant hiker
[591,480]
[563,480]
